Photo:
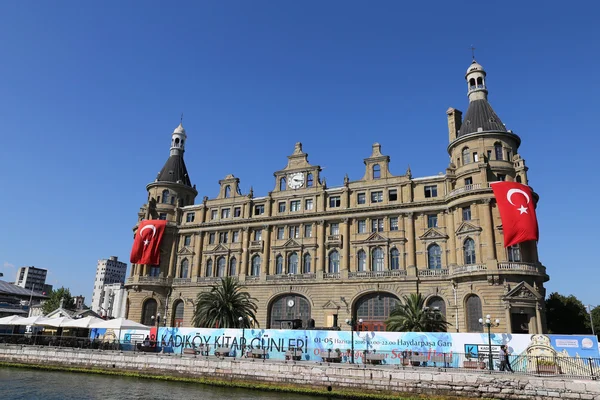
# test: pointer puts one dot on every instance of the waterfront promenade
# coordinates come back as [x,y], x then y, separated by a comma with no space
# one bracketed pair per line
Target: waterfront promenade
[314,377]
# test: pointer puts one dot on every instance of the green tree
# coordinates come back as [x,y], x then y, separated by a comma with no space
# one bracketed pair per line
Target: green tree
[223,305]
[54,299]
[566,315]
[411,315]
[596,320]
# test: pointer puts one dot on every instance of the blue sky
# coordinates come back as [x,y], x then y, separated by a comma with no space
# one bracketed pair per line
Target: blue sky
[90,93]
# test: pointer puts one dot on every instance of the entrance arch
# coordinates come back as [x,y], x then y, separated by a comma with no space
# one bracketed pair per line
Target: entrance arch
[374,309]
[149,311]
[286,309]
[178,309]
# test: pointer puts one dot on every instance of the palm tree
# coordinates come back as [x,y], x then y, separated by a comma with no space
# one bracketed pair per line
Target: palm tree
[411,315]
[223,305]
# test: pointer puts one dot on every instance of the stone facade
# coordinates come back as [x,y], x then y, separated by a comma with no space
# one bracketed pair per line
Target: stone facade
[317,376]
[323,255]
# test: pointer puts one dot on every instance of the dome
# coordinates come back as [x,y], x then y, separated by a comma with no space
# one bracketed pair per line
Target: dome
[179,129]
[475,66]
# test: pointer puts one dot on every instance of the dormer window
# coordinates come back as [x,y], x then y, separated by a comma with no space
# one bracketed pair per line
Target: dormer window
[466,156]
[282,183]
[498,151]
[376,171]
[165,196]
[309,180]
[227,191]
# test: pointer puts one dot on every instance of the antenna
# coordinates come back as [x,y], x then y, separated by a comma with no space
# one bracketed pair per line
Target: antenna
[472,53]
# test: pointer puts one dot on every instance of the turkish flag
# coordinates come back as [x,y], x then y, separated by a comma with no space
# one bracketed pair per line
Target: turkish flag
[146,245]
[515,203]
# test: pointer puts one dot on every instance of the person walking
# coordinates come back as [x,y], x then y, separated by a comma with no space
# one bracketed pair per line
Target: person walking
[505,359]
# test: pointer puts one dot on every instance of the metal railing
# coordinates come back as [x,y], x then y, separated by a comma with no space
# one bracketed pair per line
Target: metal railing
[376,274]
[291,277]
[433,272]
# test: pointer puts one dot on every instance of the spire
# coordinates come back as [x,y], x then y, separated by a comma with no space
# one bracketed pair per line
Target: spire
[476,81]
[174,169]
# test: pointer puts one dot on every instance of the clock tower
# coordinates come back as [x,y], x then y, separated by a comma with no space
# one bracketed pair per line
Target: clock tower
[298,174]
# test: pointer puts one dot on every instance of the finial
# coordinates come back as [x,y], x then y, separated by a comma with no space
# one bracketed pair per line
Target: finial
[409,172]
[251,193]
[181,121]
[346,180]
[473,52]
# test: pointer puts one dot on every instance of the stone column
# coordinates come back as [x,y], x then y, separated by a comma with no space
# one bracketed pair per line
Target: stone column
[451,237]
[410,241]
[346,245]
[172,258]
[266,252]
[244,267]
[488,228]
[538,317]
[507,317]
[198,256]
[320,246]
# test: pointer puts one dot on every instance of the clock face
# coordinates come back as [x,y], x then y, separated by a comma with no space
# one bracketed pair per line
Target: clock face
[296,180]
[290,303]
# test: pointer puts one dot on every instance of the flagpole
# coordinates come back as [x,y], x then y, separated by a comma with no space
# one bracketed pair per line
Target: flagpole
[31,297]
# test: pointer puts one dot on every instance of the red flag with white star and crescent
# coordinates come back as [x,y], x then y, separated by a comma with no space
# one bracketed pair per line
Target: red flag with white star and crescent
[146,245]
[517,211]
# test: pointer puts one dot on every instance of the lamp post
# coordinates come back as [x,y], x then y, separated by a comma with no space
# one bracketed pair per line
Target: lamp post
[488,323]
[589,307]
[352,323]
[242,340]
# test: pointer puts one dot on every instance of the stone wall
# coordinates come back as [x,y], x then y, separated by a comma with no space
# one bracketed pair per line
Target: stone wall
[372,379]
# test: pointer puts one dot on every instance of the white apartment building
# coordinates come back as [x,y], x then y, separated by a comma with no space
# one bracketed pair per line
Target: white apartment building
[114,300]
[28,277]
[107,272]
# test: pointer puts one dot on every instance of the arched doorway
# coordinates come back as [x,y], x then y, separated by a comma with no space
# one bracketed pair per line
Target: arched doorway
[149,311]
[474,312]
[374,309]
[178,308]
[286,309]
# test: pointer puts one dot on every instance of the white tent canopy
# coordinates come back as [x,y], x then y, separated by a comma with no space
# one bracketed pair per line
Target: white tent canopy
[10,320]
[26,321]
[80,323]
[119,323]
[55,322]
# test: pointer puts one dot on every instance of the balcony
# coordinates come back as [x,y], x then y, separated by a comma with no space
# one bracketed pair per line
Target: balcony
[148,280]
[466,269]
[252,278]
[256,245]
[376,274]
[290,277]
[522,266]
[466,188]
[182,281]
[433,273]
[334,240]
[331,275]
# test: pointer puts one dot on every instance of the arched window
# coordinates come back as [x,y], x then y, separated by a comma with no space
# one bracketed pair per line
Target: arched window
[374,309]
[286,310]
[309,180]
[232,266]
[334,262]
[469,250]
[149,311]
[255,266]
[307,263]
[178,309]
[436,303]
[227,191]
[518,178]
[185,265]
[376,171]
[176,141]
[278,265]
[209,269]
[434,256]
[377,259]
[221,267]
[472,83]
[165,196]
[514,253]
[293,263]
[479,82]
[473,308]
[282,183]
[361,258]
[498,151]
[394,259]
[466,156]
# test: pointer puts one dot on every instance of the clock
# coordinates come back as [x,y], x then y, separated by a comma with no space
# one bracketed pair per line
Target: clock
[290,303]
[296,180]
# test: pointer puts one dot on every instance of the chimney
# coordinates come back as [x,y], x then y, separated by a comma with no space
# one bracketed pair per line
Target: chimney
[454,122]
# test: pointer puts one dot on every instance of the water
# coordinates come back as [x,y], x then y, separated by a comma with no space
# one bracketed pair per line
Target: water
[24,384]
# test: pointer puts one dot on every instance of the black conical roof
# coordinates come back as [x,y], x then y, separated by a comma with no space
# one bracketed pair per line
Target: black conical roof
[174,171]
[480,115]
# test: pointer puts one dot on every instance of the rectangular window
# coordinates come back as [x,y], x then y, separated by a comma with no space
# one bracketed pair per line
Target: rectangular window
[334,228]
[187,240]
[223,237]
[466,213]
[237,212]
[498,151]
[489,155]
[295,205]
[307,231]
[258,234]
[432,221]
[190,217]
[211,238]
[334,201]
[308,204]
[377,225]
[393,195]
[214,214]
[361,198]
[468,181]
[282,206]
[225,213]
[280,233]
[362,226]
[259,209]
[508,155]
[431,191]
[376,197]
[475,156]
[162,216]
[393,223]
[235,237]
[294,232]
[501,177]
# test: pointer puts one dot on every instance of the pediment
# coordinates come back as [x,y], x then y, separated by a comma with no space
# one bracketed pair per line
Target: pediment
[291,243]
[331,305]
[220,249]
[433,234]
[523,291]
[185,251]
[466,228]
[376,237]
